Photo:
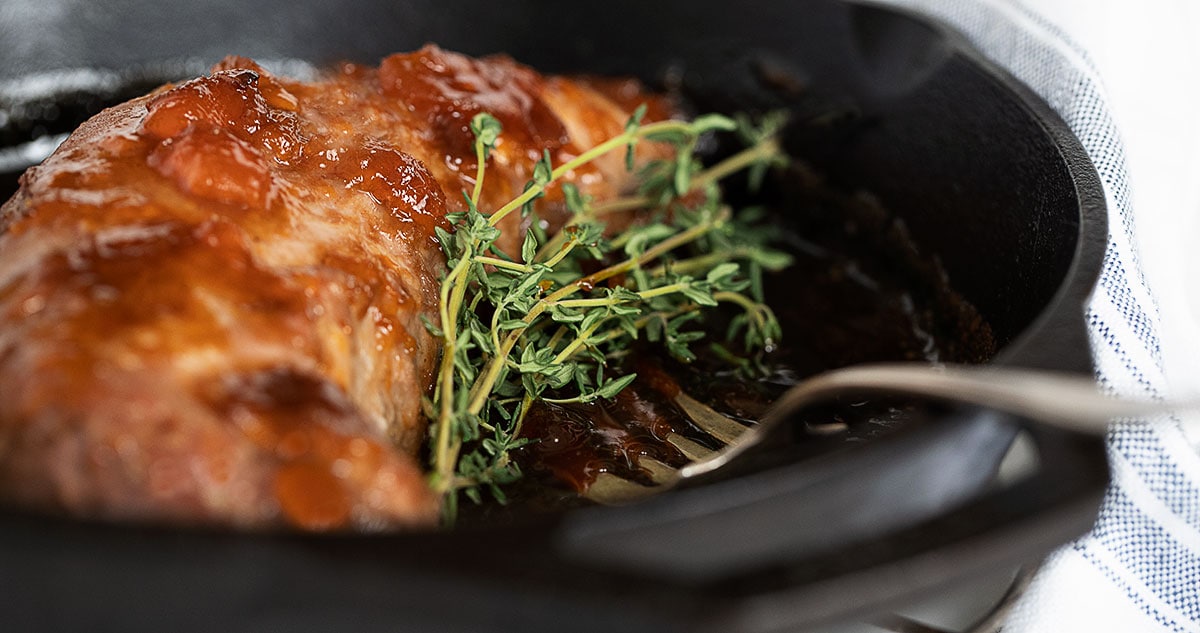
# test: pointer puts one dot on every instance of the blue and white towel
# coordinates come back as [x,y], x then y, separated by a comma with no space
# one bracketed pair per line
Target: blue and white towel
[1139,568]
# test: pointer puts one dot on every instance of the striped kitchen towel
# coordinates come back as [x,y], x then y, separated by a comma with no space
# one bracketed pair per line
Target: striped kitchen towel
[1139,568]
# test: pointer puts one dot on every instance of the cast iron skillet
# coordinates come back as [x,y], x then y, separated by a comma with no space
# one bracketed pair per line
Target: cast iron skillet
[985,176]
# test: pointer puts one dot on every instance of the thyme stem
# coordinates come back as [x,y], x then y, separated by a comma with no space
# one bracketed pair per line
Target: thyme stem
[499,355]
[614,143]
[483,387]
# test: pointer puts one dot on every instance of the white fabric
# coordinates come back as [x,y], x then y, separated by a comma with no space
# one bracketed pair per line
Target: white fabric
[1123,75]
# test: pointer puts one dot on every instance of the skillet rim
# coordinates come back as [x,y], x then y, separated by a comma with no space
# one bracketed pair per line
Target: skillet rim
[1042,342]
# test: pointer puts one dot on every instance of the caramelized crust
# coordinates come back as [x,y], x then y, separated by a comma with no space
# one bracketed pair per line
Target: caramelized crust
[212,296]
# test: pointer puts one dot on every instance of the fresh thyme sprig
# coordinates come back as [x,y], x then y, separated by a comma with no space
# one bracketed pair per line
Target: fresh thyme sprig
[547,323]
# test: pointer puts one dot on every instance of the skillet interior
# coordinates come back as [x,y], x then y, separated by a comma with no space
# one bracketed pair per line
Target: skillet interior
[984,176]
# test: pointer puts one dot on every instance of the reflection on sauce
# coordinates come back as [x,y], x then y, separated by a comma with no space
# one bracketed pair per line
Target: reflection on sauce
[575,443]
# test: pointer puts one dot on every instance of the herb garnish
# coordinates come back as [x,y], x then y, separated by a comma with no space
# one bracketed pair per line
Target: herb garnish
[538,326]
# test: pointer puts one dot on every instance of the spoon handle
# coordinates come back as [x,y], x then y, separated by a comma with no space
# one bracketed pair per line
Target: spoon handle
[1066,401]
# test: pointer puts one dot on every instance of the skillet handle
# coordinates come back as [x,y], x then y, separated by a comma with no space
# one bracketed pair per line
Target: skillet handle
[766,552]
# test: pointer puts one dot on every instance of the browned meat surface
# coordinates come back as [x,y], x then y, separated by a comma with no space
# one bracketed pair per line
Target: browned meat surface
[211,297]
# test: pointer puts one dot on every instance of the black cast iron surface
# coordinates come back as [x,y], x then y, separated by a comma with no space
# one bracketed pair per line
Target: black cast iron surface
[985,177]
